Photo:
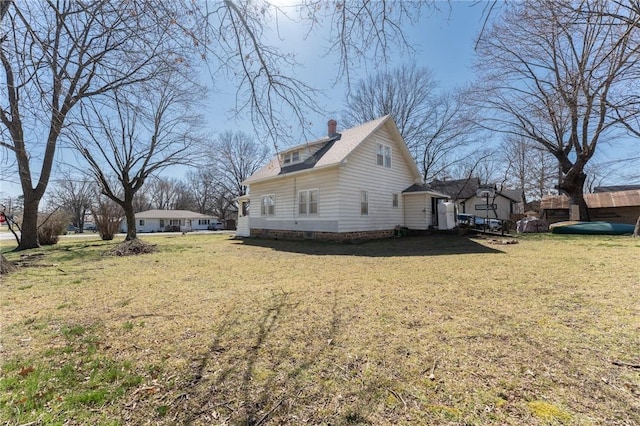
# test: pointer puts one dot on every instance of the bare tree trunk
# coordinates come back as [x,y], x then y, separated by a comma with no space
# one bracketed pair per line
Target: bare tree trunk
[131,221]
[29,228]
[636,230]
[573,186]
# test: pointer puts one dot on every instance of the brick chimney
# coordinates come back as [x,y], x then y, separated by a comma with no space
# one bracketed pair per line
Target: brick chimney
[332,127]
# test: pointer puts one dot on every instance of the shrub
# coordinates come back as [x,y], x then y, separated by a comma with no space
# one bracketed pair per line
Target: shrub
[107,215]
[51,226]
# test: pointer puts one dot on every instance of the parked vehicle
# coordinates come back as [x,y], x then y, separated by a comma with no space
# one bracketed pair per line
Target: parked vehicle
[72,229]
[90,227]
[492,224]
[215,226]
[465,219]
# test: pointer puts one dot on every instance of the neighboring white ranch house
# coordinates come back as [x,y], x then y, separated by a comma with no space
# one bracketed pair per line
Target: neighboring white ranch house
[171,220]
[357,184]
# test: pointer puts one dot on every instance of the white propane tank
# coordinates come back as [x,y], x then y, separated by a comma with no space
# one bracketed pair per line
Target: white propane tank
[446,215]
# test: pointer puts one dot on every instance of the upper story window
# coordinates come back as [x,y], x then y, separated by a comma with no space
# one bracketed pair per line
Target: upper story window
[291,157]
[268,205]
[383,157]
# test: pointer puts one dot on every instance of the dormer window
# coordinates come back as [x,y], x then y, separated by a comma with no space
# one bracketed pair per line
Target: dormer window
[291,157]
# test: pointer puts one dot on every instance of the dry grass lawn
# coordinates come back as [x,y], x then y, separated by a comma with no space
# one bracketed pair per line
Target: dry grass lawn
[422,330]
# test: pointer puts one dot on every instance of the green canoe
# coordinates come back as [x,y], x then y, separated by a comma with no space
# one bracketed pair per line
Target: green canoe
[592,228]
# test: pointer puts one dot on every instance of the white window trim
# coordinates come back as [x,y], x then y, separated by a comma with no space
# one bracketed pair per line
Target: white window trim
[395,201]
[307,204]
[140,222]
[291,157]
[364,201]
[268,210]
[383,156]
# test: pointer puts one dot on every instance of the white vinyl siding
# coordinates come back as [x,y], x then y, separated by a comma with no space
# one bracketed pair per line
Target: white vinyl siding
[339,189]
[286,191]
[503,207]
[359,174]
[417,211]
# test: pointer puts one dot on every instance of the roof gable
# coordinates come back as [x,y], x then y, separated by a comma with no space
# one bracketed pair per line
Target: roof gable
[336,150]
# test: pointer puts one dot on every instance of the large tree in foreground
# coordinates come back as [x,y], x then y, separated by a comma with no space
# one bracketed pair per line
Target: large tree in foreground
[562,75]
[56,56]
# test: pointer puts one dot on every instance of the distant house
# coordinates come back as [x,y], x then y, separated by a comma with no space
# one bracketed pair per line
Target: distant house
[609,206]
[357,184]
[503,205]
[171,220]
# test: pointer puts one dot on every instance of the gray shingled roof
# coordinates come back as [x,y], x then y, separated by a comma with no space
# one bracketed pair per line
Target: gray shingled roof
[460,189]
[422,188]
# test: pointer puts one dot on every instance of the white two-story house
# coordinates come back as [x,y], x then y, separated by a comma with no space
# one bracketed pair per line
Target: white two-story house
[357,184]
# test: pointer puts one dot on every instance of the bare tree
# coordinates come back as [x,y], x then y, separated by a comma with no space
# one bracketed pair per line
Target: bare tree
[74,195]
[137,138]
[558,74]
[237,156]
[234,156]
[167,193]
[57,55]
[528,167]
[202,184]
[434,125]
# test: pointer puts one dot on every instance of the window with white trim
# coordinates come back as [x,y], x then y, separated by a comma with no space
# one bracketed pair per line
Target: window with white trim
[174,222]
[268,205]
[364,202]
[308,202]
[141,222]
[394,200]
[203,221]
[383,156]
[291,157]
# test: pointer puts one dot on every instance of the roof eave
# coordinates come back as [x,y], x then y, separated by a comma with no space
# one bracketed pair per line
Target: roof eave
[297,172]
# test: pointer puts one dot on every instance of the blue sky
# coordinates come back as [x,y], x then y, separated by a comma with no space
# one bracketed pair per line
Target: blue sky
[443,41]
